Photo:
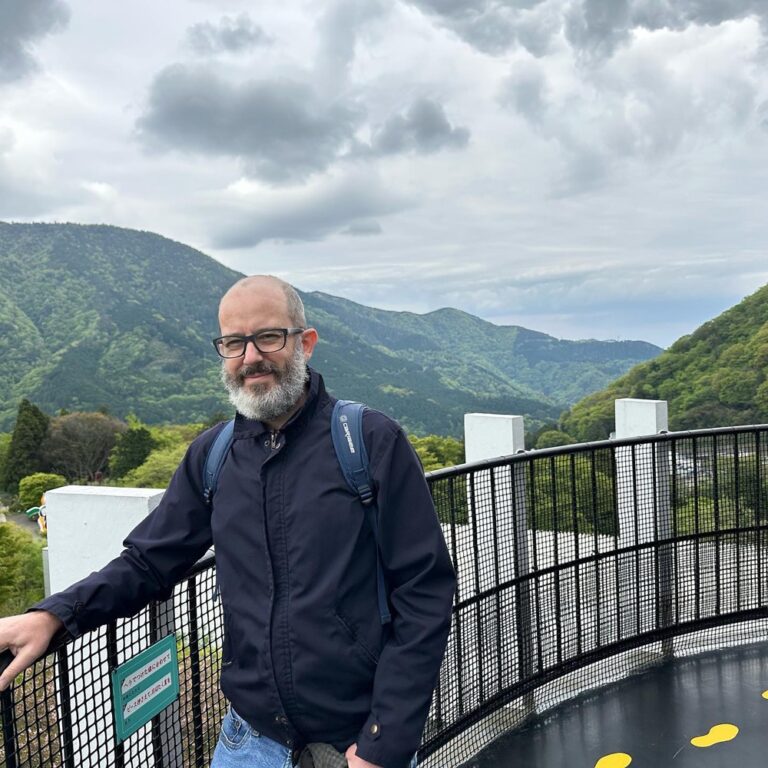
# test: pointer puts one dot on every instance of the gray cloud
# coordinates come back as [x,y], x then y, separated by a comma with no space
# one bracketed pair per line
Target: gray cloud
[594,28]
[598,27]
[488,25]
[363,229]
[22,22]
[525,92]
[231,35]
[423,129]
[347,204]
[279,129]
[339,29]
[640,108]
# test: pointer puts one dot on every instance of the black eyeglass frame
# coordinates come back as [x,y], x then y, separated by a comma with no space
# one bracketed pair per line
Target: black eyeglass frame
[253,337]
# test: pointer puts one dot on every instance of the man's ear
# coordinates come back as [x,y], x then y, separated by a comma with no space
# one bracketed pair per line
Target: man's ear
[308,341]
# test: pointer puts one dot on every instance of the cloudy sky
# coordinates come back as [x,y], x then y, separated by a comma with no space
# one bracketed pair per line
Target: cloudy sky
[588,168]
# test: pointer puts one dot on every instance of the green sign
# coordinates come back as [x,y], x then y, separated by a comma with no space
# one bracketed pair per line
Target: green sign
[144,686]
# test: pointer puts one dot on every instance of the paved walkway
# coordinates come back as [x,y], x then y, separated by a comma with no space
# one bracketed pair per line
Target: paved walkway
[706,711]
[23,522]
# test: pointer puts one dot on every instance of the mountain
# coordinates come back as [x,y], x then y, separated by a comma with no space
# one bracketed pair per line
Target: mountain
[103,317]
[716,376]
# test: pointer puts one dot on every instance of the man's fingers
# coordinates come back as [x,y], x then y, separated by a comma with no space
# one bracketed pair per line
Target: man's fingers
[16,667]
[26,636]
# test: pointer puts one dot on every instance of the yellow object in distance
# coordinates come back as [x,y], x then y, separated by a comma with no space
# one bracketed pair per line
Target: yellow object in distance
[716,735]
[765,694]
[616,760]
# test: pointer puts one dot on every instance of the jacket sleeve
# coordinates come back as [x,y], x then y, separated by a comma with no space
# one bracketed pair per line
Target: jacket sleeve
[421,583]
[157,554]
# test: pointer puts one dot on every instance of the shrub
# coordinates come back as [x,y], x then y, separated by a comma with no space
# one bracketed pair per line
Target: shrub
[32,487]
[21,564]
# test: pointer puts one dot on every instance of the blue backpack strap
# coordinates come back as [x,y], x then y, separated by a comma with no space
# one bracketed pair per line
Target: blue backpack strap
[214,461]
[347,434]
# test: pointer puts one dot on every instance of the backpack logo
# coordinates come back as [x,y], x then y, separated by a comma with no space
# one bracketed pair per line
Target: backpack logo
[347,434]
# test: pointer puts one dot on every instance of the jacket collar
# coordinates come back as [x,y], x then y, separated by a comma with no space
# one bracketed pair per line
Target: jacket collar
[245,427]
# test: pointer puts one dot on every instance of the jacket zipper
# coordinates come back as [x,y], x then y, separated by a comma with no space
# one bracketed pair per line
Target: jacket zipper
[274,439]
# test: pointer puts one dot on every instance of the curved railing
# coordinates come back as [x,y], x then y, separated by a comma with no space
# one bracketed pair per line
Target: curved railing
[580,565]
[576,566]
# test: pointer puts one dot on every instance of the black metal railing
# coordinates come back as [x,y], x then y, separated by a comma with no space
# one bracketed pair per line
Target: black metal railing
[576,566]
[60,712]
[580,565]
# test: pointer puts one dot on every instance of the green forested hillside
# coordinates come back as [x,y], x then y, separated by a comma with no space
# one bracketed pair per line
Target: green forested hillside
[717,376]
[102,317]
[98,317]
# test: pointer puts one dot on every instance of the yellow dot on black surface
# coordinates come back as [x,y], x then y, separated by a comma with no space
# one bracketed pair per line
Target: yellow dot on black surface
[614,760]
[716,735]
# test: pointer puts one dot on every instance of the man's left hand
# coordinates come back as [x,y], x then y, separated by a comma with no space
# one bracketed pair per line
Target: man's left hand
[357,762]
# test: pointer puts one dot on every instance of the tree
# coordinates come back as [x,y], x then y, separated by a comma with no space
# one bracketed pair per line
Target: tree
[5,445]
[436,451]
[21,563]
[553,438]
[572,493]
[131,450]
[157,470]
[78,444]
[25,454]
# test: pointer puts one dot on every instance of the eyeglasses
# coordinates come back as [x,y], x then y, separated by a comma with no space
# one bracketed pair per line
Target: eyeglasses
[266,341]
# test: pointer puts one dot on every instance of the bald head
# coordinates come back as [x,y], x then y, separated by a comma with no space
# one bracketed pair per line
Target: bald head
[265,289]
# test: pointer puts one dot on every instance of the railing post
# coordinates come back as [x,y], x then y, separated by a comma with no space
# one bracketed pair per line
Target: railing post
[86,528]
[646,577]
[498,515]
[167,744]
[8,728]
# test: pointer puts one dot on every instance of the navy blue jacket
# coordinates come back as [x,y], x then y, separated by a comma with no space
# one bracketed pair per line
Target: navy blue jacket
[305,656]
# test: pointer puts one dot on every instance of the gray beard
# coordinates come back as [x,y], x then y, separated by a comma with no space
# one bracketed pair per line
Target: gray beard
[263,403]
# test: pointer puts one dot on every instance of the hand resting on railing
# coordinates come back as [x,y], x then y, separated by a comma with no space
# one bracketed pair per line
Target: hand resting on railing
[27,637]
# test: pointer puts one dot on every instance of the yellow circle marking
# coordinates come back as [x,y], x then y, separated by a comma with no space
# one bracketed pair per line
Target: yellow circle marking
[765,694]
[615,760]
[716,735]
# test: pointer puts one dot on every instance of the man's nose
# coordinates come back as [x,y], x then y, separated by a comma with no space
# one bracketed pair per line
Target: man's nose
[251,354]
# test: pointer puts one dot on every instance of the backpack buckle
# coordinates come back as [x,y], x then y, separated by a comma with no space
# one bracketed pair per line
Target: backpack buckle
[366,495]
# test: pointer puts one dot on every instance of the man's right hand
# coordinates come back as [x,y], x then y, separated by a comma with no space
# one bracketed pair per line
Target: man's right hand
[26,637]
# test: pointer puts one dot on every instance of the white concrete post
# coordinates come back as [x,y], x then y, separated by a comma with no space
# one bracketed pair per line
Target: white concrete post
[86,528]
[490,435]
[644,512]
[492,500]
[499,529]
[87,525]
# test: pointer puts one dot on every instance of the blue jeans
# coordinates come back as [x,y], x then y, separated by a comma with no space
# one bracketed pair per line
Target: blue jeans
[240,746]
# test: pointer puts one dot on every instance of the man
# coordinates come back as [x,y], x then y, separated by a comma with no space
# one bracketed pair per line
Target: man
[305,655]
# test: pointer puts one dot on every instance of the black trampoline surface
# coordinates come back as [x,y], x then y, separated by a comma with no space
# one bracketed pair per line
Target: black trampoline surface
[652,718]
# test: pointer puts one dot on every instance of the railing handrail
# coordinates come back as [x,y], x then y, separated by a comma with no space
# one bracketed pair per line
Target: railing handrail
[593,445]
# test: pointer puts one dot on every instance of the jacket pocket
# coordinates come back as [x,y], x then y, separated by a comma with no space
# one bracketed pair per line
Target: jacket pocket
[354,636]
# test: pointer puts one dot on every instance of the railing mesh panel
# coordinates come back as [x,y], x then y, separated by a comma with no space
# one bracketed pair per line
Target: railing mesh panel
[60,711]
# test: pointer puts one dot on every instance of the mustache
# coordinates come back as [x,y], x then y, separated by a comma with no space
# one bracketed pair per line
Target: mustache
[257,368]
